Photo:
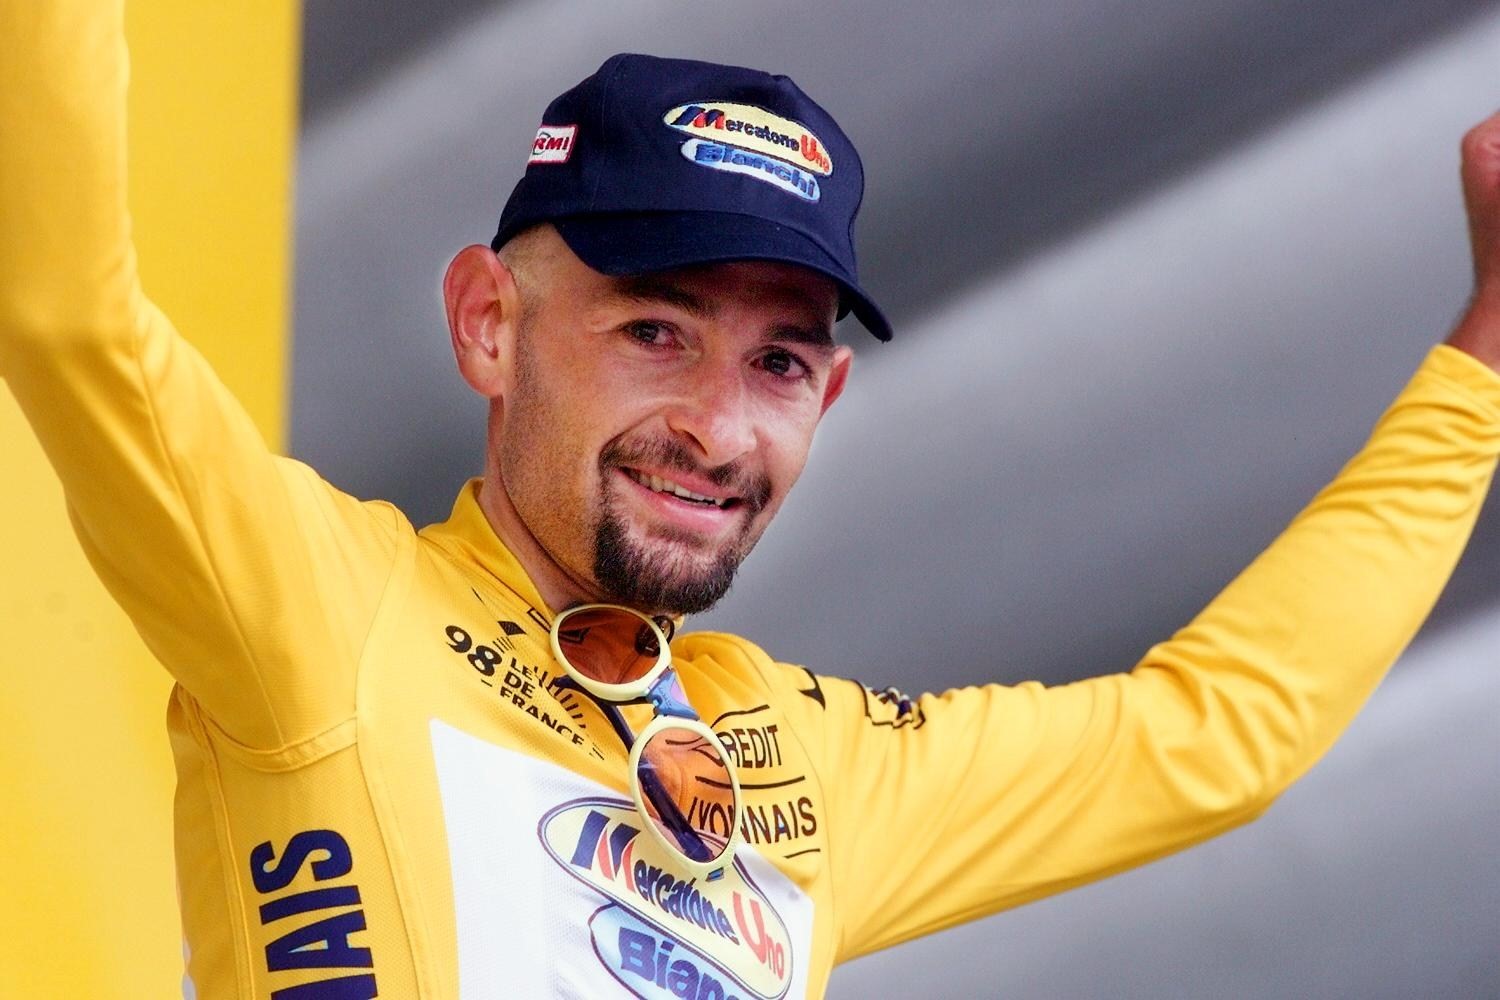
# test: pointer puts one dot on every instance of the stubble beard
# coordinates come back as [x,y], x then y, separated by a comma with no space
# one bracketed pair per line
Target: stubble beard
[656,573]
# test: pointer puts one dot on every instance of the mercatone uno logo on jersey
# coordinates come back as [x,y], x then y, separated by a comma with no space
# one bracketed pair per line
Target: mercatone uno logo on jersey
[666,936]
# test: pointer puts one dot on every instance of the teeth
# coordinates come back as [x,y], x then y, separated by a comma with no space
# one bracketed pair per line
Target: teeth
[661,485]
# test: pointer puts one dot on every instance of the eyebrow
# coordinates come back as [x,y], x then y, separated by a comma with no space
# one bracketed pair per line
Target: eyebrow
[810,336]
[650,288]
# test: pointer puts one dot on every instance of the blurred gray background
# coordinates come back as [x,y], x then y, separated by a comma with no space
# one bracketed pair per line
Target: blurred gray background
[1155,269]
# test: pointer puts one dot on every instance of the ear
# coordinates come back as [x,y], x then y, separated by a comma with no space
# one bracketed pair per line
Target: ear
[484,311]
[838,376]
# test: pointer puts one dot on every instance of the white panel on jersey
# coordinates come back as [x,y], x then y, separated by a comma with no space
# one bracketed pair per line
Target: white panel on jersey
[557,892]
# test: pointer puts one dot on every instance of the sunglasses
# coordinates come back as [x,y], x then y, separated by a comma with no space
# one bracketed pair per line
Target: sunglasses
[684,785]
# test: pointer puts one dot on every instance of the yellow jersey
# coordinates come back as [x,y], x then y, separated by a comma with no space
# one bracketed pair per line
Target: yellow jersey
[383,788]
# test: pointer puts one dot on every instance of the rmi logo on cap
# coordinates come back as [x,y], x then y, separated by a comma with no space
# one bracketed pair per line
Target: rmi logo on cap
[553,144]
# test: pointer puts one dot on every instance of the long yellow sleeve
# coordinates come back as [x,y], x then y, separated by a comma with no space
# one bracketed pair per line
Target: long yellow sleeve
[84,759]
[183,511]
[67,267]
[984,798]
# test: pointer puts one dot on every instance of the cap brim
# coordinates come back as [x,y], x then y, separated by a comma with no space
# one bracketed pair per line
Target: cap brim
[645,242]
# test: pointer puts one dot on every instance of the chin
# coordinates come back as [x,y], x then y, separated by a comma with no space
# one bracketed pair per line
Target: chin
[669,573]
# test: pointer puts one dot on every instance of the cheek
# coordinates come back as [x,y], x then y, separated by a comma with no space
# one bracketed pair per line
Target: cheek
[787,452]
[542,457]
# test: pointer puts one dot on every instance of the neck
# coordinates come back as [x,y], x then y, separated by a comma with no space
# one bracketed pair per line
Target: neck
[558,588]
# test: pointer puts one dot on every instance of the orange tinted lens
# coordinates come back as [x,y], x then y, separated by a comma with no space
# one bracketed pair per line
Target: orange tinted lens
[607,645]
[686,787]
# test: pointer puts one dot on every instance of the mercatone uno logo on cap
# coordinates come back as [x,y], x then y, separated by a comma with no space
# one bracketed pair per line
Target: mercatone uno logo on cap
[660,934]
[744,139]
[756,129]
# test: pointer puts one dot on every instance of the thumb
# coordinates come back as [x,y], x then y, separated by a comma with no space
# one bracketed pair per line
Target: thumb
[1481,182]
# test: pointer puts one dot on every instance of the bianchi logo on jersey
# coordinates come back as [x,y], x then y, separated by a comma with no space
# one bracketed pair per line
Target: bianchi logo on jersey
[663,936]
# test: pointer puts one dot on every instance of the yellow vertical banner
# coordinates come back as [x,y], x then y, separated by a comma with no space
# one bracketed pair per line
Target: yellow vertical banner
[87,905]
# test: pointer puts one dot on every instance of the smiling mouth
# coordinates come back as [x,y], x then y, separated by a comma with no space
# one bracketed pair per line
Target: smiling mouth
[660,485]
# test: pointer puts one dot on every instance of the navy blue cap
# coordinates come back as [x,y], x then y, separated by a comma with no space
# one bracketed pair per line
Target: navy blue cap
[652,164]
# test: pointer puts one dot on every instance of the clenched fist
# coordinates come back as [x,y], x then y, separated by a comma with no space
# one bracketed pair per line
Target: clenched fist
[1478,332]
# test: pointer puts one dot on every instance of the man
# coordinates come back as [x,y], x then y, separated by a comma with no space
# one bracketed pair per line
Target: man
[391,783]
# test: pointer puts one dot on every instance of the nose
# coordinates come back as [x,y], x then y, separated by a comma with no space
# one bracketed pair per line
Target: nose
[714,411]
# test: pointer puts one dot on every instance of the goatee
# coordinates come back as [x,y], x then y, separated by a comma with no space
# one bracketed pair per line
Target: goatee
[663,578]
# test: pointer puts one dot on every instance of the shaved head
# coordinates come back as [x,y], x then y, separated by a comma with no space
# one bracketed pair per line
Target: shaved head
[531,257]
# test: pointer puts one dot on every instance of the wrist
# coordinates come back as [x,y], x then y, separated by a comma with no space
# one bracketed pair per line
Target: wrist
[1478,330]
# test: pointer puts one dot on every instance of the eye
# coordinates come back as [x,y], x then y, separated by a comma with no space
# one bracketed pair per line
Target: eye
[784,364]
[649,332]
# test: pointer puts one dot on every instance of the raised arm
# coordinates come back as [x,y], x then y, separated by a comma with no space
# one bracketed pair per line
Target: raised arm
[240,569]
[984,798]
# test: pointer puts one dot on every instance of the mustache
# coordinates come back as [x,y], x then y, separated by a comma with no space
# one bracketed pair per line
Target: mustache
[752,489]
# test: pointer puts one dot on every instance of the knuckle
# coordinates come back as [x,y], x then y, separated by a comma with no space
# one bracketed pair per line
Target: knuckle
[1482,137]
